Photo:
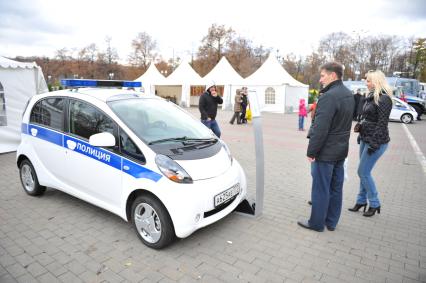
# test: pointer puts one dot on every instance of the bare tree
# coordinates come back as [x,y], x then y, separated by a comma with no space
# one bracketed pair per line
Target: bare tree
[335,46]
[111,55]
[62,54]
[143,50]
[88,53]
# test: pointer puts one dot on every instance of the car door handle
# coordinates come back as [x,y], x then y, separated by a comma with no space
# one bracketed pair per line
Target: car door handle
[125,167]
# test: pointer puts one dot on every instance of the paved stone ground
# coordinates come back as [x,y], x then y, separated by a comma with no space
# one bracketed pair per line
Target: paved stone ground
[58,238]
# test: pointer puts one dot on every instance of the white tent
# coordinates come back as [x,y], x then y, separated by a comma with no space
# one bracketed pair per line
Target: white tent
[184,76]
[151,78]
[18,82]
[224,74]
[277,90]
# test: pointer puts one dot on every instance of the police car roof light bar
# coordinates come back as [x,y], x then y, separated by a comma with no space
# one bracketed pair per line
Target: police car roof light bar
[99,83]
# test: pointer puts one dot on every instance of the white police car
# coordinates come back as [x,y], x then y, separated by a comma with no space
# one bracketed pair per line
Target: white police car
[142,158]
[402,111]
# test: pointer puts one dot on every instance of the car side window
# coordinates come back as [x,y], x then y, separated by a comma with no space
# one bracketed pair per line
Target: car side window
[86,120]
[129,148]
[49,112]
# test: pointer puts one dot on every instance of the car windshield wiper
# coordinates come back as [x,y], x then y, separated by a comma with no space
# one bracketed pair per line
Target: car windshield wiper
[183,139]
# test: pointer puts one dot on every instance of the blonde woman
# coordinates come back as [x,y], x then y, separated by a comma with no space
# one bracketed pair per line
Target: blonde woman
[373,139]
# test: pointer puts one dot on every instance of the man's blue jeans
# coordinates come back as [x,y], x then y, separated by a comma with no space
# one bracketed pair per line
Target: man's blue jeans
[213,125]
[327,187]
[367,188]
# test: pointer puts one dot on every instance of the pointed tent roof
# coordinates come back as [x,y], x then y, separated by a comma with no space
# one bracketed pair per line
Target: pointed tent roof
[40,82]
[152,76]
[8,63]
[184,74]
[223,74]
[272,73]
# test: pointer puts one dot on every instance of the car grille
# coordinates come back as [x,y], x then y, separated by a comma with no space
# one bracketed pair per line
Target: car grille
[220,207]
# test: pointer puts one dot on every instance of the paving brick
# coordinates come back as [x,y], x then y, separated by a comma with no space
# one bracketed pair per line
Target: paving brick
[48,278]
[24,259]
[6,260]
[36,269]
[16,270]
[69,277]
[7,278]
[56,269]
[44,259]
[27,278]
[14,250]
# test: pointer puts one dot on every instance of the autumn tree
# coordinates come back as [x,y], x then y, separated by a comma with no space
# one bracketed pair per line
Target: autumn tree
[418,58]
[213,47]
[311,69]
[241,56]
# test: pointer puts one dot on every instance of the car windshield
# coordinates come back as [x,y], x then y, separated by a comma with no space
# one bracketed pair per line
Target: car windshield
[157,121]
[356,85]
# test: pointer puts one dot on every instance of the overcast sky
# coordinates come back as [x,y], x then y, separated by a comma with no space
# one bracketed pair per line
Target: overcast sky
[40,27]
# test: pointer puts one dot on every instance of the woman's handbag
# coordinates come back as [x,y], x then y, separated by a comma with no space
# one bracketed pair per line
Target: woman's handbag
[248,114]
[357,127]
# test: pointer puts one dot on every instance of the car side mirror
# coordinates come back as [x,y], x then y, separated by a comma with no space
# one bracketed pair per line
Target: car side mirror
[104,139]
[398,104]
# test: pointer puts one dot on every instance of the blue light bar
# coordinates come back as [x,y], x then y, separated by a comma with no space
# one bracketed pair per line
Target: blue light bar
[99,83]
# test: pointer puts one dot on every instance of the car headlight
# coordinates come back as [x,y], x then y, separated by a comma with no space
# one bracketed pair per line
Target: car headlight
[172,170]
[228,151]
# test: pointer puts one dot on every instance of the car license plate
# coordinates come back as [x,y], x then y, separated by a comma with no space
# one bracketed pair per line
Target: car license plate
[226,195]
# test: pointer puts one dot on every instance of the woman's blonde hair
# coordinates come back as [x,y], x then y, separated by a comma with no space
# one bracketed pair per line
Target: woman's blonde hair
[380,84]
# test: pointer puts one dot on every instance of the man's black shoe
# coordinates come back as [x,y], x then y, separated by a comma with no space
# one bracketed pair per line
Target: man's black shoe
[305,224]
[329,228]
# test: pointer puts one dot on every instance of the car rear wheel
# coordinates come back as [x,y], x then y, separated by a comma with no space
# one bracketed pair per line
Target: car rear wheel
[29,179]
[152,222]
[406,118]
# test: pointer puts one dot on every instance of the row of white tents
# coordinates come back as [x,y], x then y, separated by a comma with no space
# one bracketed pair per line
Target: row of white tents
[277,90]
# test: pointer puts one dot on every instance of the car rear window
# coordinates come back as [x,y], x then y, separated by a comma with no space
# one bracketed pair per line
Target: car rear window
[49,112]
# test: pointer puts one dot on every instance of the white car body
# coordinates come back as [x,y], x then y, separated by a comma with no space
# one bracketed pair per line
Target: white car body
[402,111]
[109,179]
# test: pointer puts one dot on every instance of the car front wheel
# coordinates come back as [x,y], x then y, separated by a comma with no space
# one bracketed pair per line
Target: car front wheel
[152,222]
[406,118]
[29,179]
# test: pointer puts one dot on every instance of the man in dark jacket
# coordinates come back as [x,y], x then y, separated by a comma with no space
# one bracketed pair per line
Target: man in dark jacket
[328,147]
[357,99]
[208,108]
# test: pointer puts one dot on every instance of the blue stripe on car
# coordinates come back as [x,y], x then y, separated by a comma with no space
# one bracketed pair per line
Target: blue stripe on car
[137,171]
[97,153]
[45,134]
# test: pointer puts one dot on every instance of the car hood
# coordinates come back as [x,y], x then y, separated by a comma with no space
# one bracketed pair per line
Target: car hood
[207,168]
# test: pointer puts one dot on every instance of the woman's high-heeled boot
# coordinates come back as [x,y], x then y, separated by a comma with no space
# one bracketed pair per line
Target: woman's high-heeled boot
[371,211]
[358,207]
